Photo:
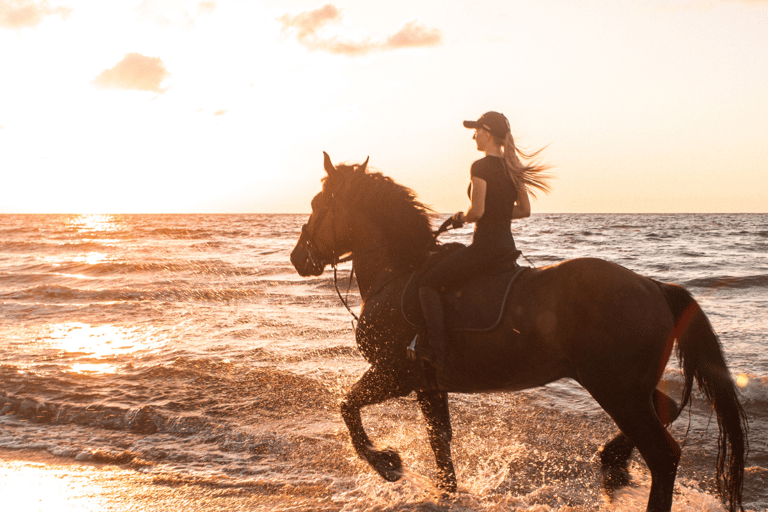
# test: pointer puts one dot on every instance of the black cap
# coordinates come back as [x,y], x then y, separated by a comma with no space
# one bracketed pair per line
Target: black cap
[493,122]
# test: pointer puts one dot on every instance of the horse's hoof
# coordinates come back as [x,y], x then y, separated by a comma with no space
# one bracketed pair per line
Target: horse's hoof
[614,479]
[447,488]
[444,495]
[388,464]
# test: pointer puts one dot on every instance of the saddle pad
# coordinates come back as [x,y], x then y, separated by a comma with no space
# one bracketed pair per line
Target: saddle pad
[476,306]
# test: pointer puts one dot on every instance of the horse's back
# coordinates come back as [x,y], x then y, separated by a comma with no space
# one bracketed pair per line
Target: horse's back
[607,318]
[587,319]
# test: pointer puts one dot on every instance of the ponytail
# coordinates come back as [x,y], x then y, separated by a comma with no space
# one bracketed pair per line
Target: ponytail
[531,174]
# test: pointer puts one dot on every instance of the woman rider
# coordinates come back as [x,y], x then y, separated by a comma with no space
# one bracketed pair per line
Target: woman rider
[498,193]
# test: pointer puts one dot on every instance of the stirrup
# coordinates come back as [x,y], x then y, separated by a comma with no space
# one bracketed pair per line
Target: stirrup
[426,353]
[411,351]
[416,350]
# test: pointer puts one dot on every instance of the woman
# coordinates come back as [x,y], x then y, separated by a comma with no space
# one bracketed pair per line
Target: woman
[498,193]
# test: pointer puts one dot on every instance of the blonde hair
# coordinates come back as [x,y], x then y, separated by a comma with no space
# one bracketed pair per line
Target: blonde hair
[531,174]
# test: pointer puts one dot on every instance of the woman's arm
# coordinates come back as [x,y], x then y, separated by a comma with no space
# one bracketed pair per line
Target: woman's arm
[523,204]
[477,200]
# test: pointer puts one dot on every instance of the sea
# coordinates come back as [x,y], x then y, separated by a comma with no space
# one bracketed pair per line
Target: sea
[187,347]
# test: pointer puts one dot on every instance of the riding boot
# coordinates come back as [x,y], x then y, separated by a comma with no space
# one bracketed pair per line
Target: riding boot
[432,307]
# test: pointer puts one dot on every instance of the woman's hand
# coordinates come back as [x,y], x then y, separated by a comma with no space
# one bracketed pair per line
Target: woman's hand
[477,200]
[457,220]
[522,206]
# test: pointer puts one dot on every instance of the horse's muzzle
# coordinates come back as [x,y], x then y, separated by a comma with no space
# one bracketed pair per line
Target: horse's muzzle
[305,263]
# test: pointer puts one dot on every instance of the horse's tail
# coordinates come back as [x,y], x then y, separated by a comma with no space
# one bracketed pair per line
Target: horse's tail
[701,357]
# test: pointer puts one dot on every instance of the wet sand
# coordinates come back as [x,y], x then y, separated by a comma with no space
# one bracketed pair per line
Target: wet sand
[31,481]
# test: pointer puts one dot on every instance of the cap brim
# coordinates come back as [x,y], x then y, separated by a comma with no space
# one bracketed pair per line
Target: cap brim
[471,124]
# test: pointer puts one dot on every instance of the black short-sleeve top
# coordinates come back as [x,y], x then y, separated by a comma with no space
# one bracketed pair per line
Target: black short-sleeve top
[500,197]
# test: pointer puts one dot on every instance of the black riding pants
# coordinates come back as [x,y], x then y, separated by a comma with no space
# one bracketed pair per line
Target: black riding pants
[466,263]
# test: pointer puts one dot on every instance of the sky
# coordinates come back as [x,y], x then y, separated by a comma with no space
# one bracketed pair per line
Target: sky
[225,106]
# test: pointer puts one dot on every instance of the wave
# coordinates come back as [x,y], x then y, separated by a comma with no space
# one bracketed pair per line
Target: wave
[206,267]
[96,415]
[198,234]
[213,267]
[204,398]
[739,283]
[199,431]
[752,389]
[62,293]
[26,246]
[182,233]
[626,226]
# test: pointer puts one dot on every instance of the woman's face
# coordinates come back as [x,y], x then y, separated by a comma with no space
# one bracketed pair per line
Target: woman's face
[481,138]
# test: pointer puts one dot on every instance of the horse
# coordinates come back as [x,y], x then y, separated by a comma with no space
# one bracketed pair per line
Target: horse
[600,324]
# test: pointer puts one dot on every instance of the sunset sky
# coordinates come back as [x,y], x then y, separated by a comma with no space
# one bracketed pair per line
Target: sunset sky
[227,105]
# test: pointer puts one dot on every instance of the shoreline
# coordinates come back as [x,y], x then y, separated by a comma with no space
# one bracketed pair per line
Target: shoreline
[38,481]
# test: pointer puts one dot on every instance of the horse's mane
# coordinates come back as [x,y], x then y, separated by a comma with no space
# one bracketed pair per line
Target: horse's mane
[404,220]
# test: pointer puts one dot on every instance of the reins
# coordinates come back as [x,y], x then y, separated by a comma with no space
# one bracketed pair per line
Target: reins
[445,226]
[344,299]
[349,286]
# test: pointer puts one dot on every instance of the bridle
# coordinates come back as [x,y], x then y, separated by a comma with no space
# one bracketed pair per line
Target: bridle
[311,248]
[312,254]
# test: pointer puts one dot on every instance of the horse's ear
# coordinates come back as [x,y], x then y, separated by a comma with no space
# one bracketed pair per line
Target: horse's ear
[329,168]
[362,168]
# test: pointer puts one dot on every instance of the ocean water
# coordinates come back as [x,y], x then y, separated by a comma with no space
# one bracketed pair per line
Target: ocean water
[187,347]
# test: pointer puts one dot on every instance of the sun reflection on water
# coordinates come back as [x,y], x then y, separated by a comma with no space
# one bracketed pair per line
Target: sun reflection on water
[95,223]
[75,339]
[742,380]
[94,368]
[91,258]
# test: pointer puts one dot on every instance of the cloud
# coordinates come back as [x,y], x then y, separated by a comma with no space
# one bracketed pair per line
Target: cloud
[308,28]
[206,7]
[174,12]
[220,112]
[413,34]
[28,13]
[309,22]
[134,72]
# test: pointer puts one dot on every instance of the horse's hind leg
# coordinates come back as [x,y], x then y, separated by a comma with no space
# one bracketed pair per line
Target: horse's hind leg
[615,454]
[434,406]
[666,408]
[374,386]
[639,421]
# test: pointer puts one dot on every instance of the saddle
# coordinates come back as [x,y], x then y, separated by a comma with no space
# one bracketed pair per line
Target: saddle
[477,305]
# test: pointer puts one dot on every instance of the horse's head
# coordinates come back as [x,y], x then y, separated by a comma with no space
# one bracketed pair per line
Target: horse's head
[327,235]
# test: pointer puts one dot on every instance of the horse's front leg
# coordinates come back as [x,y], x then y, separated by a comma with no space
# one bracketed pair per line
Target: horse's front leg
[374,386]
[434,406]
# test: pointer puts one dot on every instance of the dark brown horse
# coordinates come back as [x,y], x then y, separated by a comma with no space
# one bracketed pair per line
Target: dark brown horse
[600,324]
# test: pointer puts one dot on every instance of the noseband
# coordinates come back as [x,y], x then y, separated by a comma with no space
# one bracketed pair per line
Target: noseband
[310,245]
[312,251]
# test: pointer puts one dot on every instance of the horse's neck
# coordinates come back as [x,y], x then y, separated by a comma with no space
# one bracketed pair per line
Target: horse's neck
[372,270]
[373,263]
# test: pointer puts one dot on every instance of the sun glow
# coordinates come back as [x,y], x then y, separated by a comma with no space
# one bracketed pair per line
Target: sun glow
[99,340]
[90,343]
[87,223]
[185,106]
[91,258]
[51,485]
